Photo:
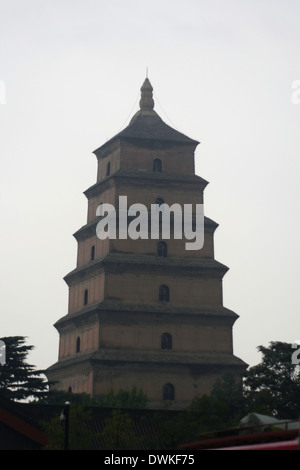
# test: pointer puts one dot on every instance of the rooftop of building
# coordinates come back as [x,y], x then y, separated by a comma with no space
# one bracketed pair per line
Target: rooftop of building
[147,124]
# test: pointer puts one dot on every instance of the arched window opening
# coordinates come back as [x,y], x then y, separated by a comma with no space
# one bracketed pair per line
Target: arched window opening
[157,165]
[168,392]
[166,341]
[78,345]
[164,294]
[159,208]
[93,253]
[70,389]
[159,201]
[162,249]
[108,169]
[86,297]
[99,210]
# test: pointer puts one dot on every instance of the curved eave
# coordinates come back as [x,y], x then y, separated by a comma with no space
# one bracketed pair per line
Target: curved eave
[123,262]
[90,228]
[128,357]
[111,307]
[140,178]
[147,125]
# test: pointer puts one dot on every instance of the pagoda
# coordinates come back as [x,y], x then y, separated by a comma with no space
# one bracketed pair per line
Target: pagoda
[145,311]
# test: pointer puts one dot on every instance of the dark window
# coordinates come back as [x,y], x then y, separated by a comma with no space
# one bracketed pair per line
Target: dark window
[108,169]
[164,294]
[162,249]
[166,341]
[159,201]
[99,210]
[157,165]
[78,345]
[70,389]
[168,392]
[93,252]
[86,297]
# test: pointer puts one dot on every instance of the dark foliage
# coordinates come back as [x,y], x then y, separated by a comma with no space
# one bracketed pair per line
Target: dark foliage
[19,380]
[274,384]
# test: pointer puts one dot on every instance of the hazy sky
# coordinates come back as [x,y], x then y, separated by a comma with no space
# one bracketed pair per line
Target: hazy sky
[222,72]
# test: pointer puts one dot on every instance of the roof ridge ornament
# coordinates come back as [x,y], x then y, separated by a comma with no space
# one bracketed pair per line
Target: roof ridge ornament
[146,101]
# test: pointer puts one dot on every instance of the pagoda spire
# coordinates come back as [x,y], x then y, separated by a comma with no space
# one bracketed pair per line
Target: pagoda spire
[146,101]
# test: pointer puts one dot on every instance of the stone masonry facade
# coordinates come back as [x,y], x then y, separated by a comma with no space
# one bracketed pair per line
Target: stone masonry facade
[145,312]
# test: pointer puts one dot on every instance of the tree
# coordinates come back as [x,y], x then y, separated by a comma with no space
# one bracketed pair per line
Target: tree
[118,432]
[274,384]
[135,398]
[19,380]
[59,397]
[222,409]
[80,434]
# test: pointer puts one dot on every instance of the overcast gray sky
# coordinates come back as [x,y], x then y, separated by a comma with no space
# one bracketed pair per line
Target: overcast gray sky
[222,72]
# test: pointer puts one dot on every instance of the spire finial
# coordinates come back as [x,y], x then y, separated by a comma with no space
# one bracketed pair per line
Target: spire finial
[146,101]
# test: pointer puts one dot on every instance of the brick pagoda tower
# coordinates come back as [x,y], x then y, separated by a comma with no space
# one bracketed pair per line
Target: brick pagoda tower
[145,312]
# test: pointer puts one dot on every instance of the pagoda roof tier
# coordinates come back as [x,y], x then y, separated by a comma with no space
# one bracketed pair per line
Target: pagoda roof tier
[139,178]
[148,358]
[146,124]
[132,262]
[89,229]
[201,313]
